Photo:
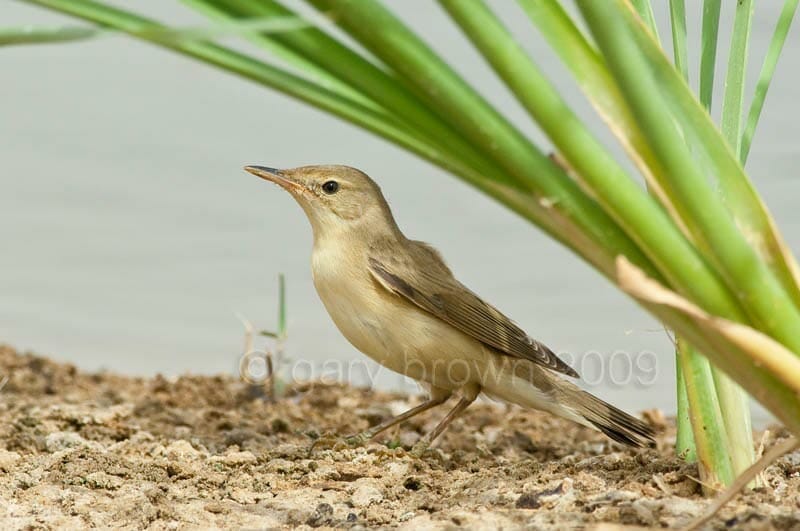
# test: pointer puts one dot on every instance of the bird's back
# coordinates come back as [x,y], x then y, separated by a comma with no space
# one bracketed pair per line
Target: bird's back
[419,274]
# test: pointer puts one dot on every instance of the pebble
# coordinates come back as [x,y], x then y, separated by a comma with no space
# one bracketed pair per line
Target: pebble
[396,469]
[7,459]
[406,516]
[141,436]
[64,440]
[678,506]
[365,495]
[182,449]
[235,458]
[215,507]
[102,480]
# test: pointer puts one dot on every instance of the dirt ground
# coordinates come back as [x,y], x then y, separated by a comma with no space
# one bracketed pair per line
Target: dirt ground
[101,450]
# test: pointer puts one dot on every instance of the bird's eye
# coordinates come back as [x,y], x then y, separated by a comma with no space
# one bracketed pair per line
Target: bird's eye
[330,187]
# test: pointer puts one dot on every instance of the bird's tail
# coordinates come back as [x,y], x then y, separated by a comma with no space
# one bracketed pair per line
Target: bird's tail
[539,389]
[614,422]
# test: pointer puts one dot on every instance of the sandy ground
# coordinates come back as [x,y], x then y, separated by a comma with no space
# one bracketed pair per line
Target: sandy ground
[101,450]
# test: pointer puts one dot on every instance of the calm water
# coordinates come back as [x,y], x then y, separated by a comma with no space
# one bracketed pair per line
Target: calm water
[131,238]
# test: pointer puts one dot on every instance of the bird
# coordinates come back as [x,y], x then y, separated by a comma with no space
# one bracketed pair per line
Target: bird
[395,300]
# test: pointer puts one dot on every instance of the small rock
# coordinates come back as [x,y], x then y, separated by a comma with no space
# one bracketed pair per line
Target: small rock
[23,480]
[235,458]
[397,469]
[102,480]
[181,449]
[7,459]
[110,414]
[405,517]
[64,440]
[611,497]
[322,515]
[141,437]
[323,472]
[245,496]
[280,466]
[215,507]
[534,500]
[365,495]
[677,506]
[639,513]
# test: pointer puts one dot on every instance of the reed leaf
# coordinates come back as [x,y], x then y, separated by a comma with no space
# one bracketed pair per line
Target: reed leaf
[734,81]
[765,77]
[733,228]
[645,11]
[713,446]
[677,11]
[708,50]
[45,35]
[672,254]
[738,349]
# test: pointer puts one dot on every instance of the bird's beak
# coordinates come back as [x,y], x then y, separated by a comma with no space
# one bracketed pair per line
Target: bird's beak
[276,176]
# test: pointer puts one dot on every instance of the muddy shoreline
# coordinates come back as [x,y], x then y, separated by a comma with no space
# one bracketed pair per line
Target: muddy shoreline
[104,450]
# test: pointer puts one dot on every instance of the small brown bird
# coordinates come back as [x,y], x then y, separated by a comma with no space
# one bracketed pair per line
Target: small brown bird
[397,302]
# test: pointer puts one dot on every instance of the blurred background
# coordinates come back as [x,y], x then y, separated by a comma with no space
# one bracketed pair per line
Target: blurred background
[131,237]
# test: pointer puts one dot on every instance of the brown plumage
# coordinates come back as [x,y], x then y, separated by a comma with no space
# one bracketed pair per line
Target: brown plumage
[395,300]
[432,287]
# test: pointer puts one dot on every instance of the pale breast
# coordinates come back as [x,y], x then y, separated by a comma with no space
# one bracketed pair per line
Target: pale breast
[385,327]
[349,296]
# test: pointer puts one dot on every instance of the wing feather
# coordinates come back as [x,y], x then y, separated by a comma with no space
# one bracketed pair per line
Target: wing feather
[433,288]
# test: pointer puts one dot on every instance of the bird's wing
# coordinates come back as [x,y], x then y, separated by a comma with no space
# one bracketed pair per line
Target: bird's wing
[421,277]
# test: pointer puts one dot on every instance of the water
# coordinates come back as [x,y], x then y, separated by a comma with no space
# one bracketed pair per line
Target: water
[132,238]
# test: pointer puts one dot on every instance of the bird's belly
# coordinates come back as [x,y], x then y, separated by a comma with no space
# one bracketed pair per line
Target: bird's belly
[400,336]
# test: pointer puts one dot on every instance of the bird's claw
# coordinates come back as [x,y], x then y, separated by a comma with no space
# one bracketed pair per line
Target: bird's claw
[325,442]
[359,439]
[419,449]
[334,442]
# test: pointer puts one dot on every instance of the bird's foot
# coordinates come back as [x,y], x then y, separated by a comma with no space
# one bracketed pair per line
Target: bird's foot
[331,441]
[419,448]
[327,441]
[359,439]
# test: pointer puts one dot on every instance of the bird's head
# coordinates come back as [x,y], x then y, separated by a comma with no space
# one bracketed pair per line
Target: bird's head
[334,198]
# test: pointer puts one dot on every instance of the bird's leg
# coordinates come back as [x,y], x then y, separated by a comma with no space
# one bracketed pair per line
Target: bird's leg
[366,435]
[423,444]
[437,398]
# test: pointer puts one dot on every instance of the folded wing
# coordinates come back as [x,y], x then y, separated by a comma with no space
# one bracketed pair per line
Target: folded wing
[422,277]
